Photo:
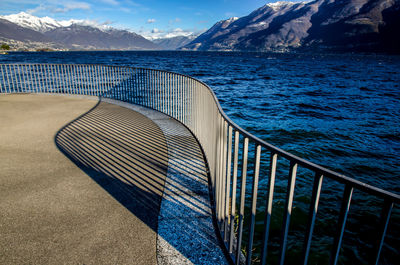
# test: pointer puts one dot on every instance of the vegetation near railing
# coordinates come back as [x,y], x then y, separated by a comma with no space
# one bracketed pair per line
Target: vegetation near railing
[248,176]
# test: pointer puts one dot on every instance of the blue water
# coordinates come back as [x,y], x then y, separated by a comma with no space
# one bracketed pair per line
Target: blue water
[341,111]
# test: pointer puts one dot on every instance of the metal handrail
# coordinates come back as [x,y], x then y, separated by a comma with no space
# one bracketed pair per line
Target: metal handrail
[194,104]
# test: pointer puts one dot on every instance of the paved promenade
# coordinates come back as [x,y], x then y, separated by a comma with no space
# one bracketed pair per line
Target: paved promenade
[88,189]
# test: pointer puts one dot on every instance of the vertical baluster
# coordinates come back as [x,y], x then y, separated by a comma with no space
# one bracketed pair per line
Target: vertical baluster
[217,168]
[234,188]
[268,211]
[92,83]
[7,66]
[61,78]
[93,80]
[14,79]
[66,79]
[101,77]
[97,79]
[106,80]
[228,183]
[70,80]
[30,83]
[384,222]
[49,78]
[53,79]
[242,200]
[288,210]
[21,85]
[5,87]
[24,77]
[37,79]
[85,79]
[3,84]
[253,204]
[58,78]
[76,80]
[312,214]
[150,90]
[53,71]
[344,210]
[79,79]
[223,171]
[17,82]
[31,79]
[160,89]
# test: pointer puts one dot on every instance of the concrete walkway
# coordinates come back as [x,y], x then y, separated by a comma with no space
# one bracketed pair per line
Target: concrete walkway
[90,192]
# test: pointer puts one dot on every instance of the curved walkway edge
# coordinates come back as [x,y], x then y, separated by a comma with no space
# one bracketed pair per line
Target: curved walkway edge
[186,234]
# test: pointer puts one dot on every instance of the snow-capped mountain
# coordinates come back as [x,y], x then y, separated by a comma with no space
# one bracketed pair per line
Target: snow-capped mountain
[348,25]
[32,32]
[43,24]
[26,20]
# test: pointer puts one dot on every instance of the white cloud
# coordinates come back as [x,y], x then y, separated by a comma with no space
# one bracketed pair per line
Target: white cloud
[39,8]
[61,7]
[158,34]
[150,21]
[156,30]
[72,6]
[110,2]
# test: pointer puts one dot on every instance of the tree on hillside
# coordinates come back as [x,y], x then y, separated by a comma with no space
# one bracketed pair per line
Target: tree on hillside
[5,47]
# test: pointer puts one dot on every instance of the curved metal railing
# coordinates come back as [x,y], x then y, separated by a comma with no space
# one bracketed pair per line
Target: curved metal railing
[194,104]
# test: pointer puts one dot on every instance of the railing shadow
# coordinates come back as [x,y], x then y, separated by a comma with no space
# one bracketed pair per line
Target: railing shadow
[127,155]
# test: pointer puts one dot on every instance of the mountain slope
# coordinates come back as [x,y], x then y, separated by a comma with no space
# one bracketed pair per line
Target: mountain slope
[86,37]
[173,43]
[9,30]
[24,31]
[354,25]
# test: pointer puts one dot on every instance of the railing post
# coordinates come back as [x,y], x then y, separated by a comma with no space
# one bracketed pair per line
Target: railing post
[253,204]
[288,210]
[268,210]
[344,210]
[228,183]
[312,214]
[384,222]
[234,187]
[242,200]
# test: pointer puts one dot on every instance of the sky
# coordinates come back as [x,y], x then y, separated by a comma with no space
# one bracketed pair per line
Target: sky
[150,18]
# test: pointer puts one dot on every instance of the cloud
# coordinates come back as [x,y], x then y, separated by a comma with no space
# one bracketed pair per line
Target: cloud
[150,21]
[156,30]
[158,34]
[59,7]
[110,2]
[37,9]
[72,6]
[173,21]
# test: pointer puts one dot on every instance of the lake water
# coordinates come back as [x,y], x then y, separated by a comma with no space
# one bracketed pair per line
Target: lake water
[340,111]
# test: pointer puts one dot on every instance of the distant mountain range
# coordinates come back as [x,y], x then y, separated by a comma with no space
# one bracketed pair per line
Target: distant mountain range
[333,25]
[344,25]
[30,32]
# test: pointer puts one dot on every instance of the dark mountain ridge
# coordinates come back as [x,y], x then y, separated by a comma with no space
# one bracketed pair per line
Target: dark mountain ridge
[346,25]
